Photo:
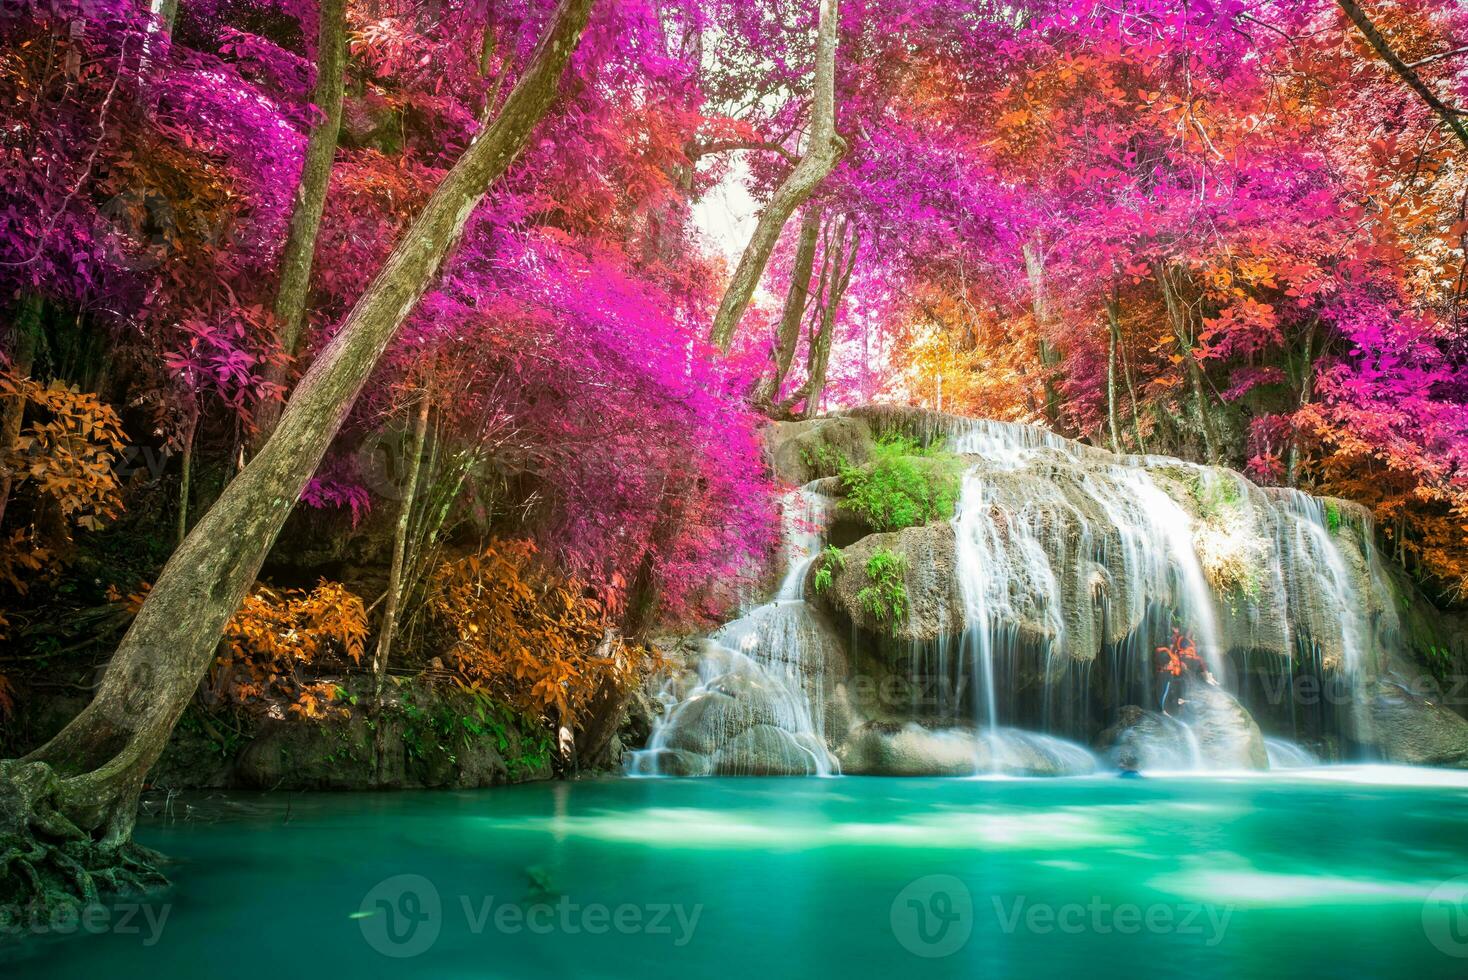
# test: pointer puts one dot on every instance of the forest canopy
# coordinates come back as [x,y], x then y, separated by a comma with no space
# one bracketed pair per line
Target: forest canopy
[1231,231]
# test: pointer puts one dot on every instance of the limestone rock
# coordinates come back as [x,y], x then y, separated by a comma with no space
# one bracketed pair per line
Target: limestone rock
[911,750]
[800,452]
[1211,731]
[1408,728]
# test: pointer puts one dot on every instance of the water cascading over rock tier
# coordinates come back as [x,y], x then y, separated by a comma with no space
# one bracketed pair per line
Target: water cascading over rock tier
[755,702]
[1033,616]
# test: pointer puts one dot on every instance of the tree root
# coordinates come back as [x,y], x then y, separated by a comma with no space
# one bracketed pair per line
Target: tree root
[50,869]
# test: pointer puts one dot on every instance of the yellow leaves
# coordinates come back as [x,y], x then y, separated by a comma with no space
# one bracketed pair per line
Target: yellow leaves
[530,636]
[66,450]
[274,634]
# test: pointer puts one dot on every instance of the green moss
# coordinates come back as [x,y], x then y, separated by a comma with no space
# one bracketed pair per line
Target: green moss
[1333,516]
[824,458]
[886,597]
[1216,497]
[906,484]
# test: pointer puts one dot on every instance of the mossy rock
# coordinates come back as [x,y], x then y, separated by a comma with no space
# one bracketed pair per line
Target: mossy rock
[800,452]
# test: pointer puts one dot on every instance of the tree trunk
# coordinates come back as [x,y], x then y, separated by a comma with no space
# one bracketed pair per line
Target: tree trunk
[186,474]
[1040,305]
[399,547]
[824,150]
[300,244]
[1452,118]
[1180,318]
[1113,322]
[1306,382]
[848,241]
[26,328]
[89,775]
[838,259]
[388,630]
[1131,392]
[797,300]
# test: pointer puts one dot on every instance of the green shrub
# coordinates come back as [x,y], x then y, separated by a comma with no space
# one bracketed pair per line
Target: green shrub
[831,558]
[823,458]
[1332,516]
[886,597]
[905,484]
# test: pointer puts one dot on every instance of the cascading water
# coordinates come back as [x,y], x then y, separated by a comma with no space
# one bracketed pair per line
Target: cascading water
[1067,547]
[1041,607]
[752,708]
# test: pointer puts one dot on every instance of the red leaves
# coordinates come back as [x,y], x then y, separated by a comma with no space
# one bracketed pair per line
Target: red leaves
[1179,657]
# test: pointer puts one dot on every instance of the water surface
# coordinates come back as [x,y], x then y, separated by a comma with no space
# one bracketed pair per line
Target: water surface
[1345,873]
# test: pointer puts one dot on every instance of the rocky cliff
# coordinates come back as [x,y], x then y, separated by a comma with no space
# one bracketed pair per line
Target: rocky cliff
[1000,632]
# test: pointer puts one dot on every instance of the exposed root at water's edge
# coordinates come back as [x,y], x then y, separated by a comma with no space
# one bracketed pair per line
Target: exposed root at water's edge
[50,869]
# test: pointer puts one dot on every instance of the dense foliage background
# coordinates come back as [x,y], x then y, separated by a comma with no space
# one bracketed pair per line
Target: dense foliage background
[1223,230]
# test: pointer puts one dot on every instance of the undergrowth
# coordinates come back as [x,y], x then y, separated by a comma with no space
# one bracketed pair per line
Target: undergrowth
[905,484]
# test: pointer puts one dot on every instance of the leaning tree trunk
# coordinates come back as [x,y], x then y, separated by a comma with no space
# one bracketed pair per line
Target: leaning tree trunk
[67,810]
[300,244]
[797,299]
[822,153]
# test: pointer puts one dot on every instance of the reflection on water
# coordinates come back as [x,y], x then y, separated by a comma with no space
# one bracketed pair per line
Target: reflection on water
[1351,871]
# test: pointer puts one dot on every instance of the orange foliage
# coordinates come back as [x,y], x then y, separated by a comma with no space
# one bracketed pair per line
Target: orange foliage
[529,636]
[275,635]
[1178,657]
[970,362]
[66,453]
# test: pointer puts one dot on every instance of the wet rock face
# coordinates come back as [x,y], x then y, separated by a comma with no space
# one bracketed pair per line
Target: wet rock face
[1414,730]
[751,706]
[1210,730]
[934,605]
[800,452]
[914,750]
[1067,545]
[1227,735]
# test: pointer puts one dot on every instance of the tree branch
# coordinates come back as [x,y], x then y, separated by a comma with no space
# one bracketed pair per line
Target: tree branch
[1368,30]
[696,150]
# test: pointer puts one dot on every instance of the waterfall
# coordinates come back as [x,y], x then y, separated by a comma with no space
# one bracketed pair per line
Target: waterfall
[1039,609]
[751,709]
[1284,754]
[1069,548]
